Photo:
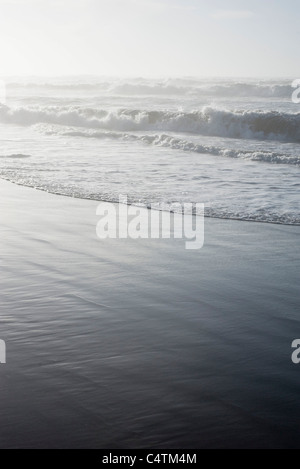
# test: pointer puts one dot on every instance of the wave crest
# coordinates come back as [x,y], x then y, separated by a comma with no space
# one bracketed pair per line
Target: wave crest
[208,121]
[176,143]
[169,87]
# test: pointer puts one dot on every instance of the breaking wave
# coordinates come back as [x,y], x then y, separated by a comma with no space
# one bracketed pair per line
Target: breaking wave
[166,87]
[259,125]
[169,141]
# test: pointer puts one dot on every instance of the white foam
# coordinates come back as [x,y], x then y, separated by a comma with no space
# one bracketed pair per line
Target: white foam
[269,125]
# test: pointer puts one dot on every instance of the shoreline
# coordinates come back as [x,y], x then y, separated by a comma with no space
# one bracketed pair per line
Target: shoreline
[146,206]
[143,344]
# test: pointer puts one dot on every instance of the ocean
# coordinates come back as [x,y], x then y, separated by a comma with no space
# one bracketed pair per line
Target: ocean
[231,144]
[126,343]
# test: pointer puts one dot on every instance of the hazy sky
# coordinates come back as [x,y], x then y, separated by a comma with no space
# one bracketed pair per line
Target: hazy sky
[150,37]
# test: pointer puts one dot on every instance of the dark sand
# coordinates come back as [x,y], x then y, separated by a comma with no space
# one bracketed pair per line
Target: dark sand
[142,344]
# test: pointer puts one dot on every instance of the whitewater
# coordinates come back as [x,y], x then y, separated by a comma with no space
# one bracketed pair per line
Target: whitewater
[231,144]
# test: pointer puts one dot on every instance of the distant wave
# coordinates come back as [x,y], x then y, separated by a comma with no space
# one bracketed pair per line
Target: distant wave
[247,90]
[229,90]
[59,86]
[17,156]
[167,87]
[209,121]
[169,141]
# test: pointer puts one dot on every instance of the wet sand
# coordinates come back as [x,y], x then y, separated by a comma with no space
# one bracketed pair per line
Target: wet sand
[143,344]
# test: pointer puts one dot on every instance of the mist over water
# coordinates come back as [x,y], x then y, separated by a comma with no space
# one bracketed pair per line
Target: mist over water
[231,144]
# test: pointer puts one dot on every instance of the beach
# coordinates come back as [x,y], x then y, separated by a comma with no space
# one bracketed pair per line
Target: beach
[142,343]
